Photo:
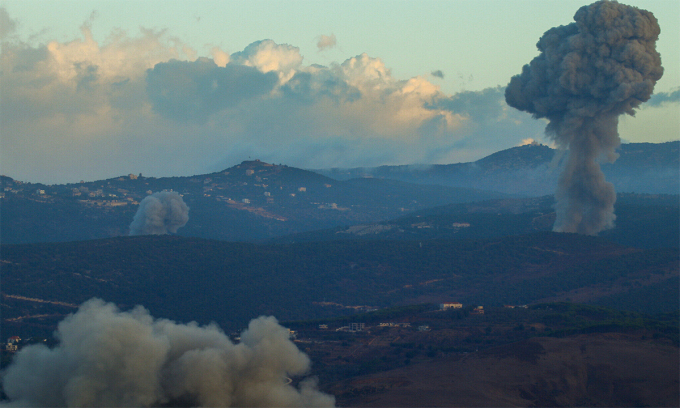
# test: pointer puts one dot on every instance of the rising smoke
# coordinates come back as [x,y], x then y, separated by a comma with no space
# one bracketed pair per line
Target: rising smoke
[106,357]
[587,74]
[159,214]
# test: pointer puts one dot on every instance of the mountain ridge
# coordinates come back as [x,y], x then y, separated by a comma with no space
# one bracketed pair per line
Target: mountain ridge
[533,170]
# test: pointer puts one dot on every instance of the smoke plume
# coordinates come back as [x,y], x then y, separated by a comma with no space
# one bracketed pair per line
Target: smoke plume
[106,357]
[586,75]
[159,214]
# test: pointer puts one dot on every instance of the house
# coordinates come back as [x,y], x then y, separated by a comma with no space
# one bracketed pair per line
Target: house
[357,326]
[245,201]
[12,344]
[424,328]
[478,310]
[450,305]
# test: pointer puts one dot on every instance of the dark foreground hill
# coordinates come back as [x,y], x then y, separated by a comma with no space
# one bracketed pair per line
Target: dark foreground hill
[552,354]
[189,279]
[249,202]
[532,170]
[587,370]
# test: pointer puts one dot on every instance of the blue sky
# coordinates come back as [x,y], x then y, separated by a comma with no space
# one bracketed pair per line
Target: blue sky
[82,105]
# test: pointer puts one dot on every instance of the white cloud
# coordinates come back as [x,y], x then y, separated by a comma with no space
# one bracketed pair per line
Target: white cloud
[268,56]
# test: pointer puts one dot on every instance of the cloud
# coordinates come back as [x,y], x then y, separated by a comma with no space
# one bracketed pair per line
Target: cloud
[87,110]
[106,357]
[7,25]
[660,98]
[437,74]
[183,90]
[326,42]
[267,56]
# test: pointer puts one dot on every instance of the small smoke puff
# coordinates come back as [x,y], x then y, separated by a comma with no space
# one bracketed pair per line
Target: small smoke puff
[7,25]
[438,73]
[160,213]
[106,357]
[326,41]
[588,73]
[529,141]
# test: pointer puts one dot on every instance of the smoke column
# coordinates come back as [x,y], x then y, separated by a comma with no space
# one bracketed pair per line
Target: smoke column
[586,75]
[159,214]
[106,357]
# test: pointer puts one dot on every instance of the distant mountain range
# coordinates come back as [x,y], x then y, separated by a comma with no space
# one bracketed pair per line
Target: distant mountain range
[533,169]
[248,202]
[256,201]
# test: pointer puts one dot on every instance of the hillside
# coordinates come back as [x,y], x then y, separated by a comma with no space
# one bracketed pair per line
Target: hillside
[193,279]
[532,170]
[248,202]
[256,201]
[643,221]
[588,370]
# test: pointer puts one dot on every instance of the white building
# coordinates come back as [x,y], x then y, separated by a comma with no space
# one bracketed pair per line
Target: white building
[450,305]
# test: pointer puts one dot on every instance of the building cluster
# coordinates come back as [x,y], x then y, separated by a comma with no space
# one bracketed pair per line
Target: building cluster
[393,324]
[12,344]
[103,195]
[450,305]
[357,327]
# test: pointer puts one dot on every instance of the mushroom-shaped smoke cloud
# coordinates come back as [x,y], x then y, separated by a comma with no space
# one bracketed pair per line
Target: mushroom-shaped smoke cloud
[159,214]
[587,74]
[106,357]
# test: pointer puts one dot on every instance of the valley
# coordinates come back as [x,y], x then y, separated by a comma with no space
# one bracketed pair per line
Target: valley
[357,269]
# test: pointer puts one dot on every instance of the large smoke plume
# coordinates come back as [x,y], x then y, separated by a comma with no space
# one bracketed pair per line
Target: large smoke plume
[106,357]
[587,74]
[159,214]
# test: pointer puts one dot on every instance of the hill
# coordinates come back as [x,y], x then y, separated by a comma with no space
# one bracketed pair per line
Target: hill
[532,170]
[643,221]
[194,279]
[248,202]
[586,370]
[551,354]
[256,201]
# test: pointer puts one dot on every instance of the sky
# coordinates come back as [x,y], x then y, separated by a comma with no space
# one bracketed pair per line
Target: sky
[98,89]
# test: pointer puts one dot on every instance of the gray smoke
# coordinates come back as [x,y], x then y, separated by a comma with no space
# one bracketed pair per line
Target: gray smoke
[587,74]
[106,357]
[159,214]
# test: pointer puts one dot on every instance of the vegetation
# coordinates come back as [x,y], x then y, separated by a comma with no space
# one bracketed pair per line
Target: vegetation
[193,279]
